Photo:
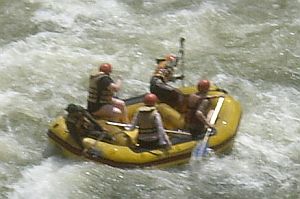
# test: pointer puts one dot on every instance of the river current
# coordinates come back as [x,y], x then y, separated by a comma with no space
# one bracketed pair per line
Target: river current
[249,48]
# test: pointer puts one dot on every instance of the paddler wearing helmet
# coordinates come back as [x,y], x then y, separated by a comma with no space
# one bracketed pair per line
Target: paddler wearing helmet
[151,131]
[199,110]
[163,74]
[101,102]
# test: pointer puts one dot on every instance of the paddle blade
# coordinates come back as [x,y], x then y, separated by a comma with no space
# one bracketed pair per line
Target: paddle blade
[200,150]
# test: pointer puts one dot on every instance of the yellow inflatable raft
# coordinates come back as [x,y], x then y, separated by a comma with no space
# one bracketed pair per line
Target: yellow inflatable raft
[118,147]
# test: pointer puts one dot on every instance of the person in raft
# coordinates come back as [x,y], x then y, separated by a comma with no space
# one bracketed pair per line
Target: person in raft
[199,110]
[163,74]
[151,132]
[101,102]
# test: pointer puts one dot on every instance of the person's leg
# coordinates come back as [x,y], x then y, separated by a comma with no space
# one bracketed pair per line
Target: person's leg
[109,112]
[120,104]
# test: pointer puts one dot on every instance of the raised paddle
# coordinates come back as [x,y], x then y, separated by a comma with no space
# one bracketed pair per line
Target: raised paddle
[201,148]
[181,54]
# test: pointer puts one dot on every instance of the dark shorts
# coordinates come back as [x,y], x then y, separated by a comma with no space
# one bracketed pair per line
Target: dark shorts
[170,97]
[197,131]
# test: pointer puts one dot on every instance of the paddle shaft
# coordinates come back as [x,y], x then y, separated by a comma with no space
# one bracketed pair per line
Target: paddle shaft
[217,110]
[181,53]
[220,90]
[128,125]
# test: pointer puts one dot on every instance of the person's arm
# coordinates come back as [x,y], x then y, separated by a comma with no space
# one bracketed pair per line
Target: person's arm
[133,123]
[204,105]
[115,86]
[163,137]
[176,77]
[106,83]
[181,77]
[203,118]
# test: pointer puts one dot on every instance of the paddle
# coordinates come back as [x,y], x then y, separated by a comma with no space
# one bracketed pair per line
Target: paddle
[134,100]
[128,125]
[181,58]
[220,90]
[201,147]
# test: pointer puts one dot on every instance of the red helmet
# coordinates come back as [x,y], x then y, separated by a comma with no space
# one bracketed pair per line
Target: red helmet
[150,99]
[203,85]
[106,68]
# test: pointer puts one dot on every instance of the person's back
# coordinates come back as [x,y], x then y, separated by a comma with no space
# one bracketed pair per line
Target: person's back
[151,132]
[148,132]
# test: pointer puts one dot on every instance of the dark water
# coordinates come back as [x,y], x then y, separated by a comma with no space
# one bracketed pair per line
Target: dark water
[250,48]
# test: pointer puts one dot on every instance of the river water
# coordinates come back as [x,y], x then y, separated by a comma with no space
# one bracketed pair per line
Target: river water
[250,48]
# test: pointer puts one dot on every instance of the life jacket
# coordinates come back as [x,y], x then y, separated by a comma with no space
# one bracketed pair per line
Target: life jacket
[147,128]
[164,72]
[95,96]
